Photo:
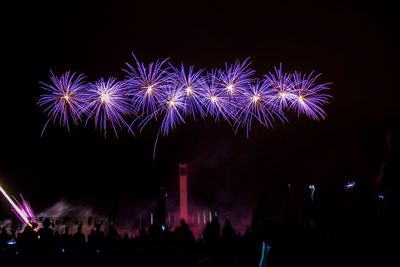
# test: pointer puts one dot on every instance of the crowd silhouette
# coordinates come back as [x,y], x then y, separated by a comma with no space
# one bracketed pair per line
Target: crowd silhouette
[365,231]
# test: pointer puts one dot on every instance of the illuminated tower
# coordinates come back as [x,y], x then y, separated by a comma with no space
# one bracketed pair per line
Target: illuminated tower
[183,202]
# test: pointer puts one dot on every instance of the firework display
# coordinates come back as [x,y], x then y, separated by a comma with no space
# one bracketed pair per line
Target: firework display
[171,95]
[21,209]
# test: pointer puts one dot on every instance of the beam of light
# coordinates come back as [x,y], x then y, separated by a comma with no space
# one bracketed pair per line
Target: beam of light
[18,211]
[265,249]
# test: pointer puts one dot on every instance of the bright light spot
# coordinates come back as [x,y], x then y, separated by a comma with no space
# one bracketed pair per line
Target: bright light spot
[301,98]
[282,94]
[230,88]
[214,99]
[171,103]
[189,90]
[312,189]
[350,185]
[104,98]
[66,96]
[149,89]
[256,98]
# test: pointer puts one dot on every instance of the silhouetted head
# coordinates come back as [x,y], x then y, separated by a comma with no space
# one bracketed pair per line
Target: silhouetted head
[46,223]
[228,224]
[34,225]
[80,228]
[182,222]
[66,230]
[27,228]
[215,219]
[66,220]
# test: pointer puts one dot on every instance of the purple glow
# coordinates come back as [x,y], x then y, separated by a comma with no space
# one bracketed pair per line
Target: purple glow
[160,90]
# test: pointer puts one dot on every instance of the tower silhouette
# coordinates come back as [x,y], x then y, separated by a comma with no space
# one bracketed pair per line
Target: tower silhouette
[183,200]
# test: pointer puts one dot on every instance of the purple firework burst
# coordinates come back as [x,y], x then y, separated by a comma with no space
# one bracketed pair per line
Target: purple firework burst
[309,95]
[108,103]
[216,103]
[176,94]
[255,104]
[173,107]
[235,78]
[281,89]
[63,101]
[189,81]
[146,84]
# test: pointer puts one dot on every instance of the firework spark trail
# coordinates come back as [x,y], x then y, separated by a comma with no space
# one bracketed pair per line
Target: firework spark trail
[21,214]
[25,208]
[177,94]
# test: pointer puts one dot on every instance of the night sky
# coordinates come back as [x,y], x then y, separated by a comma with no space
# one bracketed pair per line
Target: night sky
[354,44]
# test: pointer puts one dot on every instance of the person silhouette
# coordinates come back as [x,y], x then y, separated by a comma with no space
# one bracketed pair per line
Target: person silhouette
[228,232]
[78,241]
[212,234]
[46,237]
[27,240]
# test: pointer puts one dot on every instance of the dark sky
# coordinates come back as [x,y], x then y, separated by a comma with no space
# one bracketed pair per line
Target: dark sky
[354,44]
